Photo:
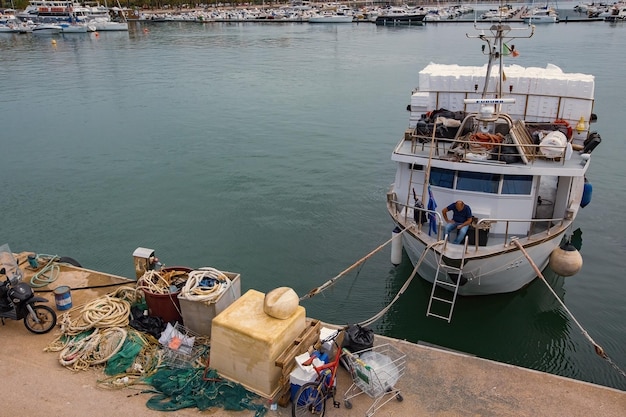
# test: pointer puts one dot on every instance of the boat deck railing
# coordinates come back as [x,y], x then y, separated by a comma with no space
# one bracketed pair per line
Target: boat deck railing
[465,148]
[538,228]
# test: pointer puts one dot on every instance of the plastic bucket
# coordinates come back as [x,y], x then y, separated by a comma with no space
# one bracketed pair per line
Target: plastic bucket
[63,297]
[165,306]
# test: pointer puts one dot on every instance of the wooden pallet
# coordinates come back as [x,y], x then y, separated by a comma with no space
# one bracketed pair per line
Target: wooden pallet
[309,338]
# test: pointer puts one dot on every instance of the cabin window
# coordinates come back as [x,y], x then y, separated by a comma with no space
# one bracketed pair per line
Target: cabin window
[442,177]
[517,184]
[478,181]
[416,167]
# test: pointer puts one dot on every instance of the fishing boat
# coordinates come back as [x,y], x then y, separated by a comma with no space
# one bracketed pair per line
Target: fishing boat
[512,143]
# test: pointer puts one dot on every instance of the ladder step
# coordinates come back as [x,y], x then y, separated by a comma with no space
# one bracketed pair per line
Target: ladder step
[451,268]
[449,284]
[442,300]
[438,316]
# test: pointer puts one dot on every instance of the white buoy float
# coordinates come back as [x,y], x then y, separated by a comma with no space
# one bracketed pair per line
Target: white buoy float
[396,247]
[566,260]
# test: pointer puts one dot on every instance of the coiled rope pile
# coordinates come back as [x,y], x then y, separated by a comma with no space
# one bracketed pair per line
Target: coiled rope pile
[96,334]
[205,285]
[161,282]
[47,274]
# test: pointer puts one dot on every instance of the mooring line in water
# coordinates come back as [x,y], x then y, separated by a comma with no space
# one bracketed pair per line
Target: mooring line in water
[404,287]
[599,350]
[332,281]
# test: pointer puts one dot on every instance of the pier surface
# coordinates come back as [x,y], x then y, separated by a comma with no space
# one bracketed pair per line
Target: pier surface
[436,383]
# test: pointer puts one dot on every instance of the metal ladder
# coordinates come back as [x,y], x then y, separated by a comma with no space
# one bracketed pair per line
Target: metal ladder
[453,286]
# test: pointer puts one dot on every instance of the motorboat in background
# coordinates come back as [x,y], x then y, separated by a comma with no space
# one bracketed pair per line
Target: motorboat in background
[46,29]
[394,16]
[617,13]
[58,11]
[77,27]
[515,149]
[105,24]
[545,14]
[329,17]
[337,14]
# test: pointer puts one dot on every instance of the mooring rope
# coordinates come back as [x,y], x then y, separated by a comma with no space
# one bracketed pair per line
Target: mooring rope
[599,350]
[333,280]
[47,275]
[404,287]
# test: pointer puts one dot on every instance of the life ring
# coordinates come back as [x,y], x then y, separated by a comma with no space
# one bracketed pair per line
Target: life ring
[565,123]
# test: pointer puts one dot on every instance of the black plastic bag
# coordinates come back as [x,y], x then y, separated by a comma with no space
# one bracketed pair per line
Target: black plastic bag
[357,338]
[147,324]
[419,215]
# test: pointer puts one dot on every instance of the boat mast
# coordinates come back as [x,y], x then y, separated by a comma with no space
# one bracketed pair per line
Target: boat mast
[495,47]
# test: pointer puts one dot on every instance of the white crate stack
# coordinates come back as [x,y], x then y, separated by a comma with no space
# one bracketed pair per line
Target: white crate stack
[541,94]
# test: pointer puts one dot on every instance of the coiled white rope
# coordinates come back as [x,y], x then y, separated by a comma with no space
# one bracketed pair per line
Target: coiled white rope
[197,289]
[95,349]
[46,275]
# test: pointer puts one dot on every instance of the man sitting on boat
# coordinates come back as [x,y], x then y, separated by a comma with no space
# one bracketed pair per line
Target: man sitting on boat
[461,219]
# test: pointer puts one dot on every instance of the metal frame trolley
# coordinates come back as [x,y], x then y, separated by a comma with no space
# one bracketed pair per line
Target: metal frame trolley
[375,372]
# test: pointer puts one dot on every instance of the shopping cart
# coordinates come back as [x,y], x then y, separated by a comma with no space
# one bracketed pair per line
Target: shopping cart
[182,348]
[375,372]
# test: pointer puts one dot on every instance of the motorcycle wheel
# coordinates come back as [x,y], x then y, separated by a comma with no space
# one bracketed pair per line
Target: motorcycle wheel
[47,320]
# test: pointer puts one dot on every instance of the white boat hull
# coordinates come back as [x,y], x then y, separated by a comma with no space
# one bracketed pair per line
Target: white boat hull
[46,30]
[78,28]
[502,273]
[541,19]
[103,26]
[330,19]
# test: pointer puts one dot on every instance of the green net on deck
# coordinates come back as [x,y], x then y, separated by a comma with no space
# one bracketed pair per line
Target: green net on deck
[124,359]
[185,388]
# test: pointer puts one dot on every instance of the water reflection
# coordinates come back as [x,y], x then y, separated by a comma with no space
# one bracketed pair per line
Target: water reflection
[527,328]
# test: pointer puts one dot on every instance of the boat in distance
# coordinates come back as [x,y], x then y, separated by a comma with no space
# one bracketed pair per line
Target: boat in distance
[395,16]
[515,148]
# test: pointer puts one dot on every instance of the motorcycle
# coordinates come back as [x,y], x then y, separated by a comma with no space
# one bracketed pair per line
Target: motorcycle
[18,301]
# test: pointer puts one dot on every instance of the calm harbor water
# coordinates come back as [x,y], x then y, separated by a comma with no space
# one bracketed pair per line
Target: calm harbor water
[265,150]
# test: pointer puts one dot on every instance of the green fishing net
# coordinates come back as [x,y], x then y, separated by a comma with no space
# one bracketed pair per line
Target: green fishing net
[122,360]
[191,387]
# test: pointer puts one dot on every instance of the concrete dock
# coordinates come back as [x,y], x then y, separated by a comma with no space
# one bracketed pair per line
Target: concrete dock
[436,382]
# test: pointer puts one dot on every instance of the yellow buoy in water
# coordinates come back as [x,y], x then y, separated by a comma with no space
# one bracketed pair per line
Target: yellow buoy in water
[281,303]
[54,42]
[566,260]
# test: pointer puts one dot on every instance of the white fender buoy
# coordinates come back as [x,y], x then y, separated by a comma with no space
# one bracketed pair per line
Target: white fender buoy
[281,303]
[396,247]
[566,260]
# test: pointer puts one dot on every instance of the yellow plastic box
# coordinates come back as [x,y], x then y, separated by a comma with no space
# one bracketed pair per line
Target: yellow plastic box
[245,343]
